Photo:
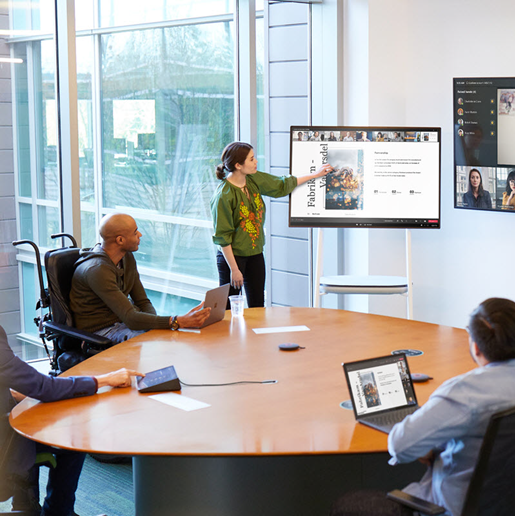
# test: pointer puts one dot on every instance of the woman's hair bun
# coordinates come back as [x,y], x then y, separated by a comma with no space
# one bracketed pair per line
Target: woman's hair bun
[220,171]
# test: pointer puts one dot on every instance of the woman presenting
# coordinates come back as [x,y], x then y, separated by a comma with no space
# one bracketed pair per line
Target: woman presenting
[238,213]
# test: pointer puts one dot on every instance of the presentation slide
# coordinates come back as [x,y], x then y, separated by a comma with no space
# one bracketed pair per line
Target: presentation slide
[377,388]
[484,154]
[385,178]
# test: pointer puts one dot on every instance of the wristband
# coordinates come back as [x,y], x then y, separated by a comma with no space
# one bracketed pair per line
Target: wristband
[175,325]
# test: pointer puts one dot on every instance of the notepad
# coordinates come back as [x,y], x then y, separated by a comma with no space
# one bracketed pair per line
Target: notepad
[179,401]
[281,329]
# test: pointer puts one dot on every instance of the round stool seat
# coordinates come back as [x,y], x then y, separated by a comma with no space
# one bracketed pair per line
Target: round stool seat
[363,285]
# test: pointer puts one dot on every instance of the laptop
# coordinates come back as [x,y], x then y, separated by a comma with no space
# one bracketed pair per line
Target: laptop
[216,299]
[381,390]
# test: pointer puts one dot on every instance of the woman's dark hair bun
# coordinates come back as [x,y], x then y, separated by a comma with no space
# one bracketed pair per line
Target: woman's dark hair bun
[220,171]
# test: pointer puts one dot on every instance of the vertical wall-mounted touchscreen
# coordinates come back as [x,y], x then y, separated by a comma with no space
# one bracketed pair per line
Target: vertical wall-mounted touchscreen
[382,177]
[484,154]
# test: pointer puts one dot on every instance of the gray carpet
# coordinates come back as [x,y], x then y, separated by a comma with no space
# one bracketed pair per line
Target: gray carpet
[103,489]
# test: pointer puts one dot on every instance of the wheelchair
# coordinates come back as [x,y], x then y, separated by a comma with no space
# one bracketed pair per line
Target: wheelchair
[69,345]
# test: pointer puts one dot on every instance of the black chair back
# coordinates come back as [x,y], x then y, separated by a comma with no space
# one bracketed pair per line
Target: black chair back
[492,488]
[60,265]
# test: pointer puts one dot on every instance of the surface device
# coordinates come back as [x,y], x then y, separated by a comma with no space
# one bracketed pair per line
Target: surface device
[381,390]
[216,299]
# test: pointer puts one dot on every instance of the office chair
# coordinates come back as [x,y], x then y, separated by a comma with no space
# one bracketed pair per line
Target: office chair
[71,345]
[491,490]
[11,483]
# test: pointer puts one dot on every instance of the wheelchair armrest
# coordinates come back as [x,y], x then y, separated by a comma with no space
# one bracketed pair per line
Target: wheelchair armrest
[86,336]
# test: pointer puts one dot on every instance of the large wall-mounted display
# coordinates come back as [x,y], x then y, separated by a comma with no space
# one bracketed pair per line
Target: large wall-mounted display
[385,177]
[484,150]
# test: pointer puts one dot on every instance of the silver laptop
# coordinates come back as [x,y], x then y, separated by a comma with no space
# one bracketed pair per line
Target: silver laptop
[216,299]
[381,390]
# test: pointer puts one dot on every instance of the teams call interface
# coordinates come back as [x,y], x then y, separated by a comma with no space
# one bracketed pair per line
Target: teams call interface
[484,154]
[382,177]
[384,384]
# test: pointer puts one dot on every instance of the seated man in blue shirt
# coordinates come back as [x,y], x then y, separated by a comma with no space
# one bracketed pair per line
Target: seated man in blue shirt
[21,452]
[446,432]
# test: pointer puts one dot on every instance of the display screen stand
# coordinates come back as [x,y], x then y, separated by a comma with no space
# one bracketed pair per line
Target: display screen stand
[363,284]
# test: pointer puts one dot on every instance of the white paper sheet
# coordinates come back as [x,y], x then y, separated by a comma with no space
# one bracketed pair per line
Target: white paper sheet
[179,401]
[281,329]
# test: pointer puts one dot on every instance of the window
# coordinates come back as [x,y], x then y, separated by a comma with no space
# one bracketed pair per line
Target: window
[156,105]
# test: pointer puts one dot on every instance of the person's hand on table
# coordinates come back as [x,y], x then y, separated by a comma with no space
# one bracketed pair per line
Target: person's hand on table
[194,318]
[120,378]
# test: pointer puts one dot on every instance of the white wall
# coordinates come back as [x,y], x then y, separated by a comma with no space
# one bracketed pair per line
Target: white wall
[415,49]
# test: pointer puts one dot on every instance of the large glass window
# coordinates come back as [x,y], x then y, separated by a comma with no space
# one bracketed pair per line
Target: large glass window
[21,99]
[47,176]
[167,111]
[156,86]
[36,141]
[31,17]
[131,12]
[85,49]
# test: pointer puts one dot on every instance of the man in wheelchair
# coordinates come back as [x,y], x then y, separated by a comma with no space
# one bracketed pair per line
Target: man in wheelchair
[107,296]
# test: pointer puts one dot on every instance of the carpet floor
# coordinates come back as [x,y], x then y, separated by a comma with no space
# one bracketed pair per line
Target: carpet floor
[103,489]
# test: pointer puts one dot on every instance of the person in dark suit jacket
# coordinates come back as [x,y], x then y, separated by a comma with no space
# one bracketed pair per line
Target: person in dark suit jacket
[19,461]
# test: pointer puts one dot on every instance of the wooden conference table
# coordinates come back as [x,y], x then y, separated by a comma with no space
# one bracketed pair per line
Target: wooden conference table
[258,449]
